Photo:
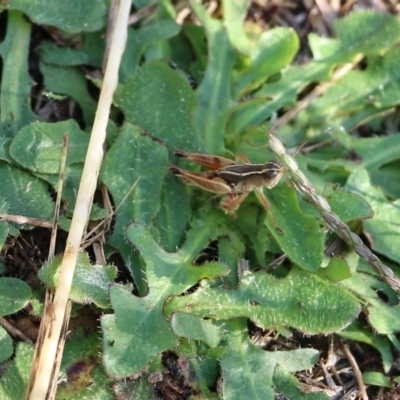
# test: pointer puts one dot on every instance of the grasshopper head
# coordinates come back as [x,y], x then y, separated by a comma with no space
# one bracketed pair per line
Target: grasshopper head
[271,174]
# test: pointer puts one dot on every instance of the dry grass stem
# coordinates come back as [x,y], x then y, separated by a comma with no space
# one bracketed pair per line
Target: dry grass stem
[43,369]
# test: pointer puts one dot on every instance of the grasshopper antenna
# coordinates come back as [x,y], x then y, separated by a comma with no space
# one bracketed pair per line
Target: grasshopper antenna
[300,147]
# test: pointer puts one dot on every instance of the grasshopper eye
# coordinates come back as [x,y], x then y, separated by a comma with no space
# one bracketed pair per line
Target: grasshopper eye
[273,169]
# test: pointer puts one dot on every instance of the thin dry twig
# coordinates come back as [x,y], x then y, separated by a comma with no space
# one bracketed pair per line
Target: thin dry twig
[59,196]
[356,370]
[145,12]
[20,219]
[13,331]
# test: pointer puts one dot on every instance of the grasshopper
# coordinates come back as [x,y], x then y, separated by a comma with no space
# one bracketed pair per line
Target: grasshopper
[226,177]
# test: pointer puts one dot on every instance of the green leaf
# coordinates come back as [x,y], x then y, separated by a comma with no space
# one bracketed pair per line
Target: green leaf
[15,379]
[367,31]
[234,15]
[80,345]
[290,387]
[172,220]
[358,96]
[134,159]
[386,178]
[282,92]
[134,334]
[383,74]
[196,36]
[214,92]
[195,328]
[206,369]
[143,386]
[382,230]
[337,270]
[274,50]
[70,81]
[245,366]
[248,221]
[376,379]
[300,300]
[14,295]
[348,98]
[231,250]
[384,318]
[161,49]
[25,194]
[294,360]
[139,39]
[89,51]
[4,145]
[348,206]
[16,85]
[73,16]
[300,235]
[323,47]
[5,228]
[126,351]
[377,151]
[85,378]
[72,178]
[242,115]
[38,146]
[156,30]
[6,345]
[90,283]
[363,31]
[160,100]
